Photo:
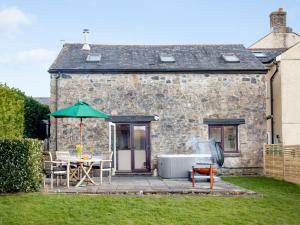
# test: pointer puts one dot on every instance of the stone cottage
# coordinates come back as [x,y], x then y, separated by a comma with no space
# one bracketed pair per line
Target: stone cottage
[161,98]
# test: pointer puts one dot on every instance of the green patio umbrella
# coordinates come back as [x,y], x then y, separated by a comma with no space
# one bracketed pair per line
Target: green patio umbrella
[80,110]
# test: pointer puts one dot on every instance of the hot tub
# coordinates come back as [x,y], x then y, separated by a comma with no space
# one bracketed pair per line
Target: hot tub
[179,165]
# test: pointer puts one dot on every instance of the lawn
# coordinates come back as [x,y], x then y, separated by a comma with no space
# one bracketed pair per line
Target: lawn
[279,203]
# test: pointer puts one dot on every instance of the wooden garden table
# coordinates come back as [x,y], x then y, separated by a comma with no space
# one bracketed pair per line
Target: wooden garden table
[85,166]
[85,170]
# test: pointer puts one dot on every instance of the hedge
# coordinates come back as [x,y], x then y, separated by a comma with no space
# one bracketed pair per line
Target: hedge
[20,165]
[11,113]
[20,115]
[34,113]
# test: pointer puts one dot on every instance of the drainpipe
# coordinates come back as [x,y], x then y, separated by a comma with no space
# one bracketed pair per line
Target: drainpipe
[272,99]
[56,76]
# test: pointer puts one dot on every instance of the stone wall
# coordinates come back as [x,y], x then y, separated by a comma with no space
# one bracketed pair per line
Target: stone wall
[180,100]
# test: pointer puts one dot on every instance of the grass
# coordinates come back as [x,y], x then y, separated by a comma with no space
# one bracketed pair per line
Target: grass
[279,203]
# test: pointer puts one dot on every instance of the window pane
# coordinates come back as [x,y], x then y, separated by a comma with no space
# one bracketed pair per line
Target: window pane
[230,139]
[216,133]
[123,136]
[140,137]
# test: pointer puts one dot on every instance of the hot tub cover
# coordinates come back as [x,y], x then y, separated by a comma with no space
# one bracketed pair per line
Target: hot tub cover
[209,147]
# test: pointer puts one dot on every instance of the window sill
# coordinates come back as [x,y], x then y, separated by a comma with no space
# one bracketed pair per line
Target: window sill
[232,154]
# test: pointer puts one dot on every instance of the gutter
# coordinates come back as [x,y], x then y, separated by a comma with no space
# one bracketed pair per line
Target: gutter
[163,70]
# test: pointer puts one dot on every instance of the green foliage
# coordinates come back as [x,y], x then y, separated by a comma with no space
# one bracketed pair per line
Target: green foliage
[20,165]
[34,113]
[11,112]
[20,115]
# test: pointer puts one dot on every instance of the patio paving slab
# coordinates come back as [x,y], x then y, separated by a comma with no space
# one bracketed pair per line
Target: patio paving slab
[152,185]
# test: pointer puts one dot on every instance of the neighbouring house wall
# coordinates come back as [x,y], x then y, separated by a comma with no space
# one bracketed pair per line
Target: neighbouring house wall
[286,96]
[276,40]
[290,67]
[182,101]
[275,72]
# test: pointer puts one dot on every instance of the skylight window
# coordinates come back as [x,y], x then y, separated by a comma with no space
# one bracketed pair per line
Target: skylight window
[167,58]
[260,54]
[93,58]
[230,57]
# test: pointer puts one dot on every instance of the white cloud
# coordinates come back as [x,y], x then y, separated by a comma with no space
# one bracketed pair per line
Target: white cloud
[12,19]
[34,55]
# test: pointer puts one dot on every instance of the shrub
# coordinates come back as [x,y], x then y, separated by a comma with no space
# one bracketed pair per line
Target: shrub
[11,113]
[20,116]
[34,113]
[20,167]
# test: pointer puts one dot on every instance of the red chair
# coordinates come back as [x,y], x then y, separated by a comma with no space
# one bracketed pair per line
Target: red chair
[202,168]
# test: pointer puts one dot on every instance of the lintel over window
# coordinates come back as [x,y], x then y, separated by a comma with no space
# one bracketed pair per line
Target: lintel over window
[131,119]
[224,121]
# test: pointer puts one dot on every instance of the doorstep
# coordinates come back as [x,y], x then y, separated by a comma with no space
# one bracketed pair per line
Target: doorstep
[132,174]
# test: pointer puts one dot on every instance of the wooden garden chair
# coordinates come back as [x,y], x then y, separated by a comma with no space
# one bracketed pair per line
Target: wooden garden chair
[105,165]
[55,168]
[74,169]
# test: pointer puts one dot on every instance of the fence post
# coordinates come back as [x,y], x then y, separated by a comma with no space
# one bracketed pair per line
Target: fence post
[273,158]
[264,158]
[283,164]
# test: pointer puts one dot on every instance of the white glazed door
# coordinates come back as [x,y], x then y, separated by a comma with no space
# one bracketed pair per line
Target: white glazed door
[112,143]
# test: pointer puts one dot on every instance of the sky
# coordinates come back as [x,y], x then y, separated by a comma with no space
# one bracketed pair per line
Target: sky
[33,32]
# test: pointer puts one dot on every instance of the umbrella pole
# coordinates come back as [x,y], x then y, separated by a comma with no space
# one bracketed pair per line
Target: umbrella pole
[81,130]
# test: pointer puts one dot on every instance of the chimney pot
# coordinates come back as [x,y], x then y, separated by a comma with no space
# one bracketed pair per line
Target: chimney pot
[86,45]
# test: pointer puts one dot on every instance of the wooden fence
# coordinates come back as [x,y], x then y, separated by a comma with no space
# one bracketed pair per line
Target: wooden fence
[282,161]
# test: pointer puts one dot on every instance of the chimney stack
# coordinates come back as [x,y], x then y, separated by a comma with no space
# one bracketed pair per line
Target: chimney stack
[86,45]
[278,21]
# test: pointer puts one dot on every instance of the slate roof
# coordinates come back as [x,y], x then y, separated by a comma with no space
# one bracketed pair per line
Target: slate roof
[271,53]
[145,58]
[43,100]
